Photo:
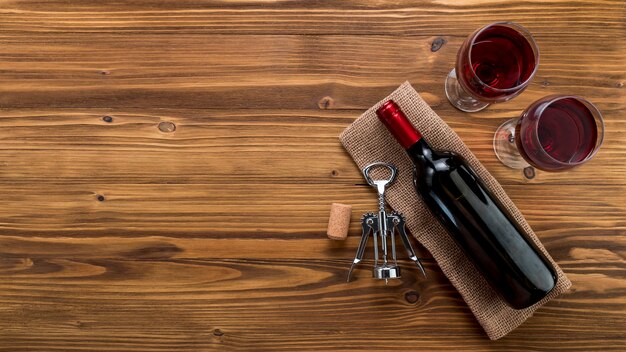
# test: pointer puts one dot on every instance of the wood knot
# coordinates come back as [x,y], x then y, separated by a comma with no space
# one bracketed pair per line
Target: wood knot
[167,127]
[100,198]
[326,103]
[218,332]
[545,83]
[154,251]
[105,72]
[334,173]
[107,119]
[529,172]
[412,297]
[437,44]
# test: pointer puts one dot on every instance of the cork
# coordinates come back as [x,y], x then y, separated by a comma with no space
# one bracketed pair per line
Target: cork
[339,221]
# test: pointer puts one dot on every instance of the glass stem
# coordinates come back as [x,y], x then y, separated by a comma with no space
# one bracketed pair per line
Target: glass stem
[459,98]
[505,147]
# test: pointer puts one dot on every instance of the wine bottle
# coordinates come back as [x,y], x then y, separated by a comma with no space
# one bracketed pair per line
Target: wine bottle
[509,261]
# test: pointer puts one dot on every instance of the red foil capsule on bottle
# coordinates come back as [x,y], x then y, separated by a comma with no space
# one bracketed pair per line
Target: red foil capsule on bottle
[398,124]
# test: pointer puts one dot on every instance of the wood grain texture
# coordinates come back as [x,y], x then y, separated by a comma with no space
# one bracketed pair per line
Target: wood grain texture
[212,146]
[167,167]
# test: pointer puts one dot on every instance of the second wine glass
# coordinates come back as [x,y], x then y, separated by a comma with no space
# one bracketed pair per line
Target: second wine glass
[555,133]
[494,64]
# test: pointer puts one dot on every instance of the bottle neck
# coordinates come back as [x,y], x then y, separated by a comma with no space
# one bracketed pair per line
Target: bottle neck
[420,152]
[398,124]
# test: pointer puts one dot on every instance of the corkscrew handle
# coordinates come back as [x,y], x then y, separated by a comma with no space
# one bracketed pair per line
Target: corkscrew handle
[380,185]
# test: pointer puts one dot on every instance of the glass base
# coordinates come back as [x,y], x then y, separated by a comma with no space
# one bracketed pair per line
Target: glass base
[459,98]
[505,147]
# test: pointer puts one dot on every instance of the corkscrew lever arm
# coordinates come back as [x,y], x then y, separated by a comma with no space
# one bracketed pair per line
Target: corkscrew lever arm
[398,221]
[368,225]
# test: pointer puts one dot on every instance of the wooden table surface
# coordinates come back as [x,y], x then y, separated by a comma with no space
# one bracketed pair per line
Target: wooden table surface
[167,167]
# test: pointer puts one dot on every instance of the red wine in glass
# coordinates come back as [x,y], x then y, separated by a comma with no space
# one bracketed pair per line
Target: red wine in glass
[495,64]
[554,133]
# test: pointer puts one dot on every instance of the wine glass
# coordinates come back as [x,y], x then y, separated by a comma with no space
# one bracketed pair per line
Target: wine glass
[555,133]
[494,64]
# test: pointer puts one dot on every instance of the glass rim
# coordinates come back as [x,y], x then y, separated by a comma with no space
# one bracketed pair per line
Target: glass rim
[531,40]
[598,118]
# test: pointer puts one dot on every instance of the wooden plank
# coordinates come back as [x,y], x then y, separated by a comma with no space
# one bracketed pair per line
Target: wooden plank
[211,71]
[212,146]
[405,17]
[129,305]
[583,245]
[295,211]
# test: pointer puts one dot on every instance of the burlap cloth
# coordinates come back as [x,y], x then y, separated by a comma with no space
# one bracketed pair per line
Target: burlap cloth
[367,141]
